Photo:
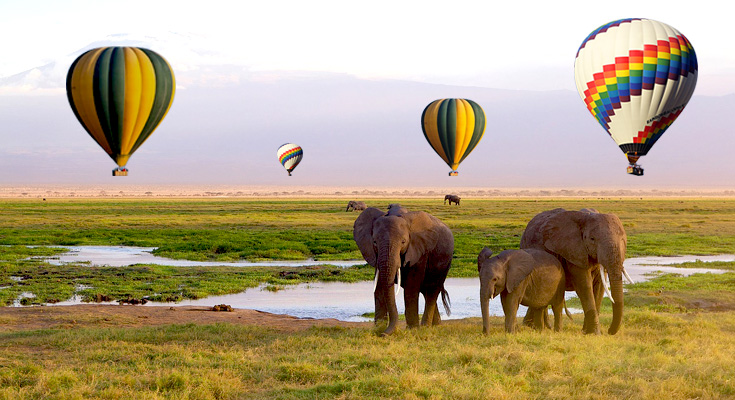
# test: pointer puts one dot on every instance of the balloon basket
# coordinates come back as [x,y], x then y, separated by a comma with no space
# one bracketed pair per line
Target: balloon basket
[635,169]
[120,172]
[453,173]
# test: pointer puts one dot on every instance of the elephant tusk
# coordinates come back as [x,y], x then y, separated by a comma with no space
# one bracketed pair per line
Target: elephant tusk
[605,283]
[398,286]
[627,276]
[375,284]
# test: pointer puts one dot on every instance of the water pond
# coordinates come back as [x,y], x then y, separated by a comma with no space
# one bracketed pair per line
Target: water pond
[343,301]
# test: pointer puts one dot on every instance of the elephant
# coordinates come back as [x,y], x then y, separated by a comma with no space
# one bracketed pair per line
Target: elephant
[591,247]
[453,198]
[413,248]
[531,277]
[396,209]
[356,205]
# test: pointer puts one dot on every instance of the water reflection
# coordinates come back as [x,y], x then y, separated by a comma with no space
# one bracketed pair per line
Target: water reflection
[122,256]
[343,301]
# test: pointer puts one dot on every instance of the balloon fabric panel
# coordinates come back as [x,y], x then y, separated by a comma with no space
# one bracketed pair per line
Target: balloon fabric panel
[165,88]
[431,133]
[635,77]
[453,127]
[117,93]
[290,155]
[78,82]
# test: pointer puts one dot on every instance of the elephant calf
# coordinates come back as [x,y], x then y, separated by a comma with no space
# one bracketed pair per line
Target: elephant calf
[530,277]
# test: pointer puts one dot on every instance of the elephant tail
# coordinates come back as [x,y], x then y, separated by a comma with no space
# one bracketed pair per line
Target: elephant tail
[566,310]
[446,301]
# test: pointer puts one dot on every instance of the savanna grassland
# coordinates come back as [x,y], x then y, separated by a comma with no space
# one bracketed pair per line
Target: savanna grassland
[677,339]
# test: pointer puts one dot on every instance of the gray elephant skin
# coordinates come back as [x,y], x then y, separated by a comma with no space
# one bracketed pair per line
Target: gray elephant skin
[356,205]
[531,277]
[412,248]
[591,246]
[453,198]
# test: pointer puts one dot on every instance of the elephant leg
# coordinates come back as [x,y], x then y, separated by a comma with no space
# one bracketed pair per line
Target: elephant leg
[558,309]
[528,319]
[510,309]
[437,317]
[547,323]
[583,284]
[430,309]
[539,318]
[411,299]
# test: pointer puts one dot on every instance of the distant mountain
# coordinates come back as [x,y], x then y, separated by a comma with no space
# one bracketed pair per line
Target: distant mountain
[226,123]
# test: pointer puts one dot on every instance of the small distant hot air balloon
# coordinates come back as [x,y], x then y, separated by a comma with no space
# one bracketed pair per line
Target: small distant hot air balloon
[120,95]
[635,76]
[453,127]
[290,156]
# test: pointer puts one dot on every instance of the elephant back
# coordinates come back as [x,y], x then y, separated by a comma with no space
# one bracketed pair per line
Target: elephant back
[533,237]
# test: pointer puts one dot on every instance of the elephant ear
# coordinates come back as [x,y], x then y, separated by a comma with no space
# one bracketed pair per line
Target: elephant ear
[519,265]
[563,236]
[362,232]
[425,231]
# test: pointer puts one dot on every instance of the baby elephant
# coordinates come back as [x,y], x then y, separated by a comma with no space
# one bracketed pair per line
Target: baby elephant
[530,277]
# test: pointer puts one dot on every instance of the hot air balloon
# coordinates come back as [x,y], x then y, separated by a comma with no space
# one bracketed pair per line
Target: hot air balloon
[120,95]
[453,127]
[290,156]
[635,76]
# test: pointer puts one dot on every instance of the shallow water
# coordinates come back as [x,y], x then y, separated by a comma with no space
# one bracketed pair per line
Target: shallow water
[122,256]
[343,301]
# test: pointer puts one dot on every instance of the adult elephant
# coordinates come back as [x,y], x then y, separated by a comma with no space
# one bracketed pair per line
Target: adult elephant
[356,205]
[453,198]
[412,248]
[588,243]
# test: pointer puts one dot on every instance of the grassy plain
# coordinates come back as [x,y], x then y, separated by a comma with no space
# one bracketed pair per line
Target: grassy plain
[230,229]
[676,342]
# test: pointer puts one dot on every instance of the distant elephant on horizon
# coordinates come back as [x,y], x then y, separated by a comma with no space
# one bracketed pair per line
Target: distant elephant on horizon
[453,198]
[356,205]
[531,277]
[413,249]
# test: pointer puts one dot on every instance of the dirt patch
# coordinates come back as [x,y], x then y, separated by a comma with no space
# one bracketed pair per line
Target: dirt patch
[30,318]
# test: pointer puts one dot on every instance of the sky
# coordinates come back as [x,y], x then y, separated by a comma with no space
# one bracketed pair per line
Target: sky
[518,46]
[477,43]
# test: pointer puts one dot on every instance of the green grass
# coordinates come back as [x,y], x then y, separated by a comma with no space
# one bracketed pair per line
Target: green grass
[726,265]
[232,229]
[51,284]
[677,339]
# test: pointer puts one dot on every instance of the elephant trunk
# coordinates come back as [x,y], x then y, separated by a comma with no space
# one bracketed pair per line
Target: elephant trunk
[616,291]
[388,264]
[612,261]
[348,208]
[485,306]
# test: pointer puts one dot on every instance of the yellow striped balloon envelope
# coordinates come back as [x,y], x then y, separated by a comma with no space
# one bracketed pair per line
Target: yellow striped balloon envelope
[120,95]
[453,127]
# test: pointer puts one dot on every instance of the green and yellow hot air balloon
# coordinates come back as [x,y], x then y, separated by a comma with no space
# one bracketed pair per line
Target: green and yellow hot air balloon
[120,95]
[453,127]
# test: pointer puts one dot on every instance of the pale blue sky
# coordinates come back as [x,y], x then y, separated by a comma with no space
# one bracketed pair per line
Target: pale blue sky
[520,44]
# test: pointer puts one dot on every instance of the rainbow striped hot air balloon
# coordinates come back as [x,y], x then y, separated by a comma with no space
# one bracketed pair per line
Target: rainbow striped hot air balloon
[290,156]
[453,127]
[636,76]
[120,95]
